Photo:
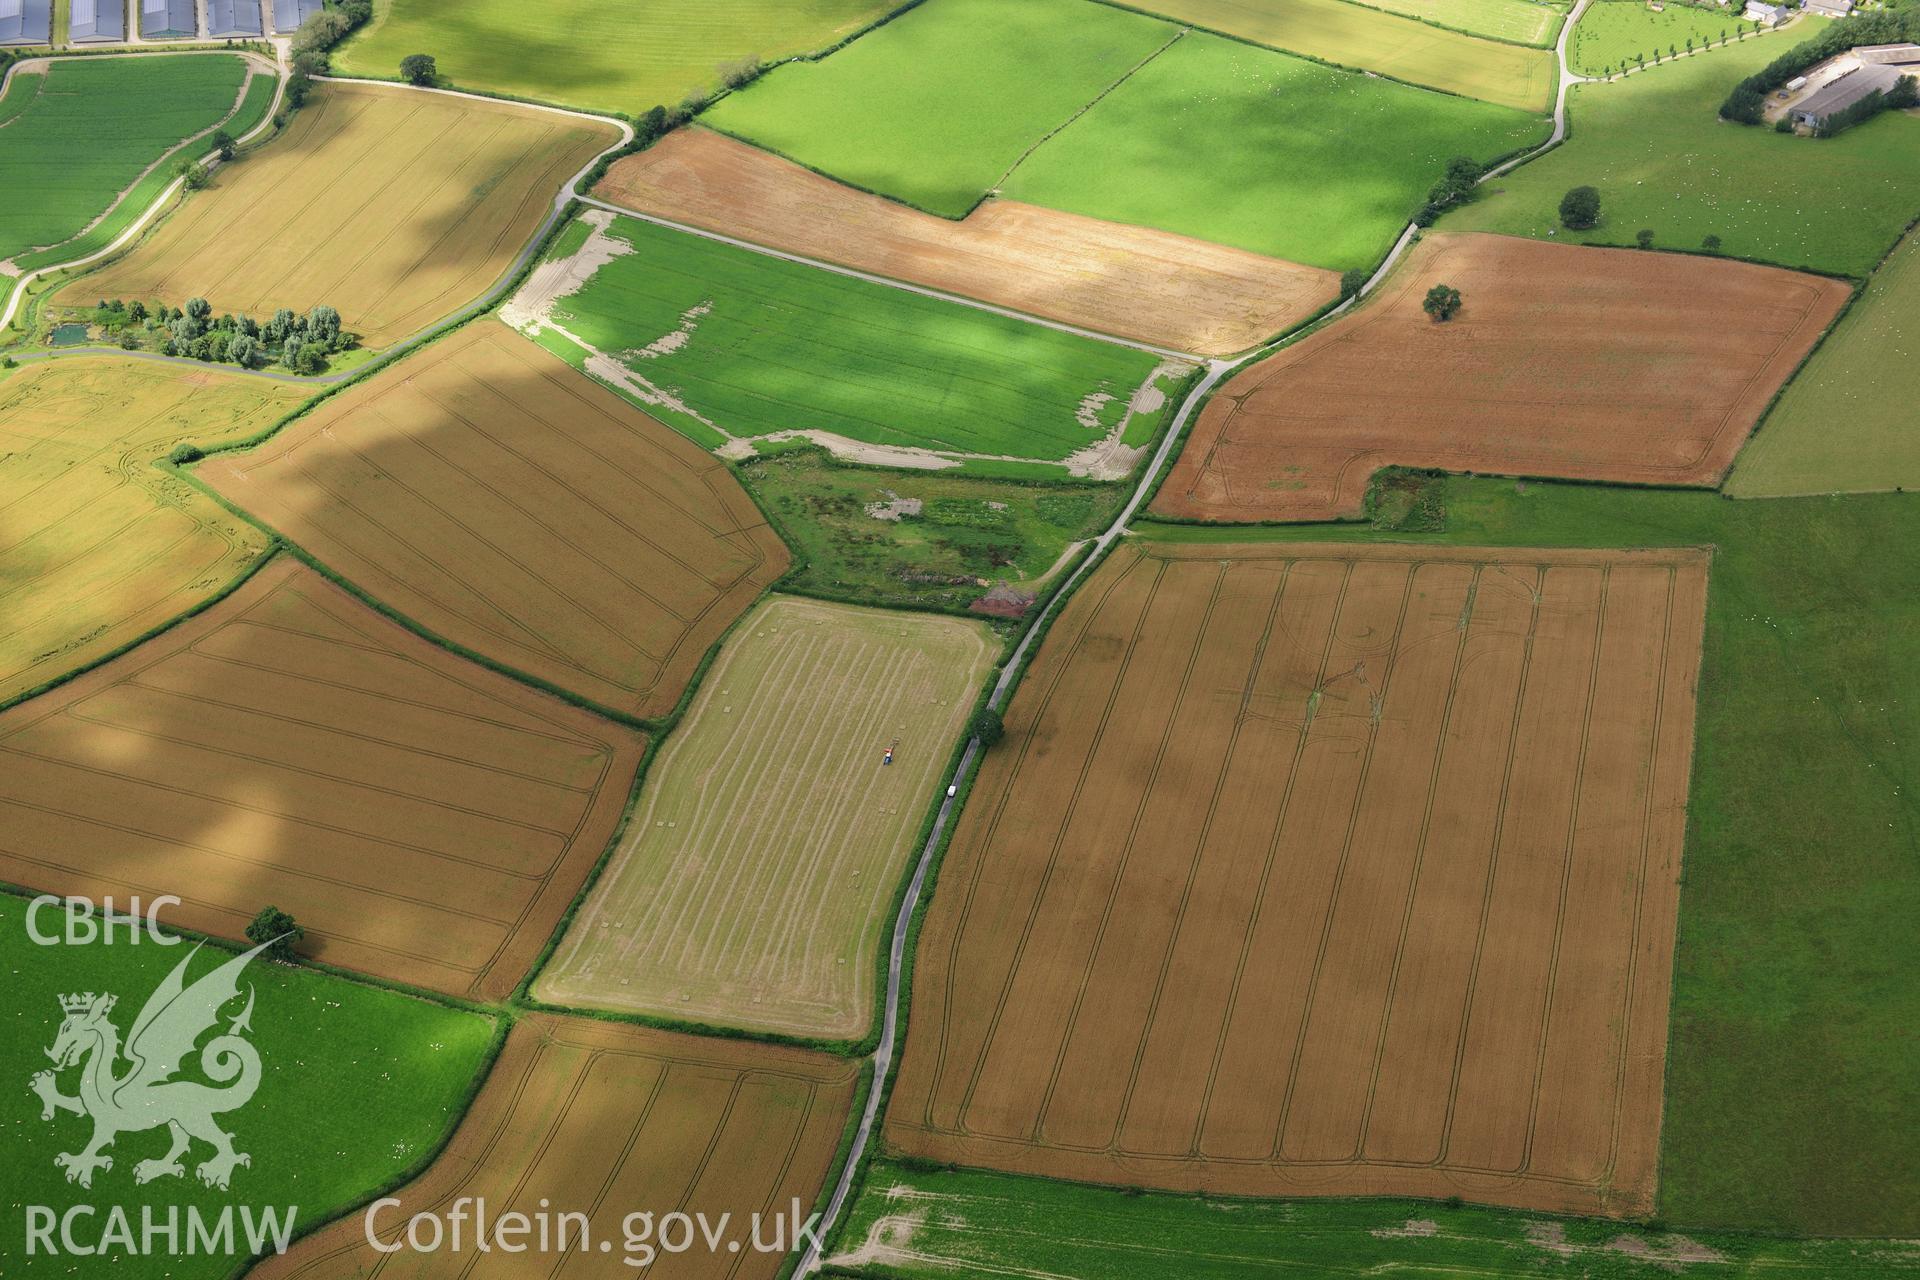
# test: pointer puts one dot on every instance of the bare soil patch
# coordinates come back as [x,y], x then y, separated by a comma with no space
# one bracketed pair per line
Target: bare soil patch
[1565,360]
[426,820]
[501,499]
[1322,869]
[608,1120]
[1152,286]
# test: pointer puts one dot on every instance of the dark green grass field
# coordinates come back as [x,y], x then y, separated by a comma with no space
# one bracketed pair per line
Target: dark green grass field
[1793,1069]
[359,1085]
[1254,148]
[965,1222]
[1663,161]
[128,111]
[933,107]
[968,528]
[755,345]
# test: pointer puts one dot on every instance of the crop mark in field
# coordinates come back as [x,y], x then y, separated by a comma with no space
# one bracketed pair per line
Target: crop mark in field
[426,820]
[1306,884]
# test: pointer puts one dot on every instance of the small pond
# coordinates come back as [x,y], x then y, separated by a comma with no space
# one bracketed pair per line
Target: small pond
[68,335]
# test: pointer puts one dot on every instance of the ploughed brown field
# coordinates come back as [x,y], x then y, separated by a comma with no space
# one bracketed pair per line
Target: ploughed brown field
[1564,360]
[603,1120]
[425,820]
[1323,869]
[506,502]
[1152,286]
[395,207]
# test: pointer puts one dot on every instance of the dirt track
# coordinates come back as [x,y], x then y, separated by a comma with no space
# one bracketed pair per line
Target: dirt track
[505,501]
[1569,361]
[1344,870]
[606,1120]
[1134,282]
[426,820]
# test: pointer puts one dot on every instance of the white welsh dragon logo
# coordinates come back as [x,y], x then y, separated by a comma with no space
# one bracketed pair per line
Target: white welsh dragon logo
[145,1095]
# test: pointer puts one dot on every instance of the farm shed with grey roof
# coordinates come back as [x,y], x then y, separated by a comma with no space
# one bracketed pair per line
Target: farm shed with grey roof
[163,18]
[289,14]
[26,21]
[227,18]
[91,20]
[1895,55]
[1839,94]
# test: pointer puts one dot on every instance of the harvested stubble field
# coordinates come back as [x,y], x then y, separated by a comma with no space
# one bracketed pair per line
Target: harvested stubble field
[97,545]
[1152,286]
[1329,870]
[1600,364]
[1846,424]
[83,130]
[1245,146]
[752,886]
[936,106]
[503,501]
[395,207]
[1663,161]
[426,820]
[1366,39]
[605,1120]
[728,345]
[611,58]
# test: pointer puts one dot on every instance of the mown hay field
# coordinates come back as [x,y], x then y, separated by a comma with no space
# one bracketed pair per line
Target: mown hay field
[1846,423]
[1567,361]
[1664,162]
[1172,291]
[1535,22]
[83,130]
[1325,870]
[97,545]
[396,208]
[935,106]
[1274,154]
[731,345]
[1613,33]
[400,1066]
[1366,39]
[506,503]
[616,58]
[425,820]
[606,1120]
[751,888]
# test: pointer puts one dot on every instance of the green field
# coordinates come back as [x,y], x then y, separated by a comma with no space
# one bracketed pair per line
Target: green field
[397,1067]
[935,106]
[968,530]
[1350,35]
[1526,21]
[1248,147]
[715,339]
[1654,146]
[1792,1087]
[916,1222]
[620,58]
[129,111]
[1613,33]
[1847,423]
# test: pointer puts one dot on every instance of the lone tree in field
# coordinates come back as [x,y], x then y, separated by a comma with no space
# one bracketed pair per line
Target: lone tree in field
[277,928]
[418,68]
[987,726]
[1580,208]
[1644,237]
[1443,300]
[1711,244]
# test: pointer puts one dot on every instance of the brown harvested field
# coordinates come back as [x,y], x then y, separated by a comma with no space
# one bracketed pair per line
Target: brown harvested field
[1324,870]
[605,1120]
[425,819]
[393,206]
[1564,360]
[1152,286]
[504,501]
